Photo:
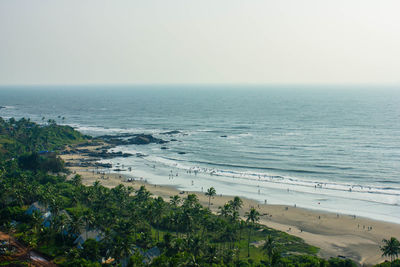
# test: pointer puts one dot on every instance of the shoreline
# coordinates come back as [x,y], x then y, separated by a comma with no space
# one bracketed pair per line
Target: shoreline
[356,238]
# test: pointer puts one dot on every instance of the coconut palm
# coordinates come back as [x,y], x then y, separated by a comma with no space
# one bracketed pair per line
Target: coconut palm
[89,220]
[391,248]
[77,180]
[175,201]
[75,225]
[269,247]
[142,195]
[236,204]
[122,248]
[226,210]
[210,193]
[252,217]
[158,209]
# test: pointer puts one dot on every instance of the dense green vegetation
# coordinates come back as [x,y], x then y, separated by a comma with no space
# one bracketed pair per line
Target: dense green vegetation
[23,136]
[128,225]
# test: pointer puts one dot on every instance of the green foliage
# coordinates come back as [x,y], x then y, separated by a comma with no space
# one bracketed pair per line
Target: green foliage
[395,263]
[391,248]
[34,162]
[91,250]
[24,136]
[336,262]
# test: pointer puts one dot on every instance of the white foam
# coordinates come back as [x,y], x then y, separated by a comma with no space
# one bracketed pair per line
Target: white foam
[156,170]
[345,190]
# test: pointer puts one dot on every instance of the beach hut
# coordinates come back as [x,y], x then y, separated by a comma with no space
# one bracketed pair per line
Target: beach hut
[44,212]
[85,235]
[36,206]
[150,254]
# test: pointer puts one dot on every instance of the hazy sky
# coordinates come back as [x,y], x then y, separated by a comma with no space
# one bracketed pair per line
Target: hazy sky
[199,41]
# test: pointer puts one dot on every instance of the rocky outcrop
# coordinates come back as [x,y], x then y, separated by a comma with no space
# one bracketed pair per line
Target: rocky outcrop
[172,132]
[108,155]
[132,139]
[144,139]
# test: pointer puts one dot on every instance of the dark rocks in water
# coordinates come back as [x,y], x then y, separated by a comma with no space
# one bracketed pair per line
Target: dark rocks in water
[107,155]
[171,132]
[132,139]
[181,152]
[2,107]
[173,140]
[144,139]
[164,147]
[103,165]
[118,136]
[104,147]
[88,144]
[224,136]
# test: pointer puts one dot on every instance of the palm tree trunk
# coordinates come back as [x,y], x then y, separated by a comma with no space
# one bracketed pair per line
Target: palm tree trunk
[248,244]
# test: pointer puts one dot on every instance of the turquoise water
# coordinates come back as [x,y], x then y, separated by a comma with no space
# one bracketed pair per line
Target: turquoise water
[327,148]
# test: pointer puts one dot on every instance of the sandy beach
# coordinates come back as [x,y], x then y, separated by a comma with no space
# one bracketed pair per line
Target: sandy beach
[335,234]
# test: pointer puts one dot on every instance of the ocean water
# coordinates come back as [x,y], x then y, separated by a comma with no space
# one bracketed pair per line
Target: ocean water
[329,148]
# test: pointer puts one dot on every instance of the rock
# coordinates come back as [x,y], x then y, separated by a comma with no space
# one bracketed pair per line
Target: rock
[164,147]
[224,136]
[171,132]
[181,152]
[140,140]
[103,165]
[144,139]
[108,155]
[2,107]
[132,139]
[118,136]
[173,140]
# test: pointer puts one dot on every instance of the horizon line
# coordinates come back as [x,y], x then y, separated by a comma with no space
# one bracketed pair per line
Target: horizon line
[195,84]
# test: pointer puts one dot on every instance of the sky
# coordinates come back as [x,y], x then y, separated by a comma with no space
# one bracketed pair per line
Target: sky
[199,41]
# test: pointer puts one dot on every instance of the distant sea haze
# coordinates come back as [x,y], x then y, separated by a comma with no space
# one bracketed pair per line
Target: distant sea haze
[329,148]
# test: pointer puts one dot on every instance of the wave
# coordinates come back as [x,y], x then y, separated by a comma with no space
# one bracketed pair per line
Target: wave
[390,191]
[258,168]
[100,130]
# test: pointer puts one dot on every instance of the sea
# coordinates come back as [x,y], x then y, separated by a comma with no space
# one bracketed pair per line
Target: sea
[327,148]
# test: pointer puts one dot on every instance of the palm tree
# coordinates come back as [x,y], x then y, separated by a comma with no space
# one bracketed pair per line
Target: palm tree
[390,248]
[142,195]
[36,221]
[269,247]
[226,210]
[59,224]
[252,217]
[89,220]
[210,193]
[175,201]
[236,204]
[123,246]
[75,225]
[158,209]
[77,180]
